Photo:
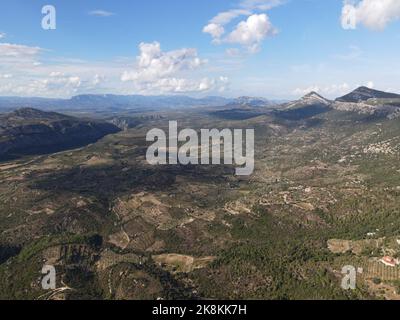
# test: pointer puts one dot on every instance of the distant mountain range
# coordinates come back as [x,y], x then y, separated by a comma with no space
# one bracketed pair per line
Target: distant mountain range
[253,102]
[363,100]
[110,102]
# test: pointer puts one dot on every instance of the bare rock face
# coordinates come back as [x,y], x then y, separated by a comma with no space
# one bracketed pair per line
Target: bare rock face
[30,131]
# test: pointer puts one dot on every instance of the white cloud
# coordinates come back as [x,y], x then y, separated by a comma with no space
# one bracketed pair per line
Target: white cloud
[224,18]
[154,63]
[101,13]
[233,52]
[252,32]
[98,79]
[215,30]
[246,33]
[58,80]
[261,4]
[56,84]
[2,35]
[224,84]
[180,85]
[9,50]
[163,71]
[304,91]
[374,14]
[370,84]
[24,72]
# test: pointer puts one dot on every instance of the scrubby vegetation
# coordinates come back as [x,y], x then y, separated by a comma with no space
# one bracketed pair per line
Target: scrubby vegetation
[101,214]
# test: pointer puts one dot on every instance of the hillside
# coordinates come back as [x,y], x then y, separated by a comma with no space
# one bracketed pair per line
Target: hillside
[308,106]
[31,131]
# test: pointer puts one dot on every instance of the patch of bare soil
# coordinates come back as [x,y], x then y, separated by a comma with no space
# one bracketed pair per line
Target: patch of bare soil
[356,247]
[182,263]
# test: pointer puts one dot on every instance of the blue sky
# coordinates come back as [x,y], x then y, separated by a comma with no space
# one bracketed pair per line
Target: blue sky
[271,48]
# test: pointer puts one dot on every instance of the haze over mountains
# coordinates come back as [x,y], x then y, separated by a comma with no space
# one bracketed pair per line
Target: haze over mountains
[109,101]
[99,102]
[31,131]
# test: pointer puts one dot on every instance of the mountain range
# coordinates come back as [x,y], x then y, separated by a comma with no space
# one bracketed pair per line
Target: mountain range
[363,100]
[110,102]
[31,131]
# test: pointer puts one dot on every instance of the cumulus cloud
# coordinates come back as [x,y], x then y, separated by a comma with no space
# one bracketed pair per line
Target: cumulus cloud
[215,30]
[58,80]
[180,85]
[249,32]
[98,79]
[23,72]
[370,84]
[252,32]
[2,35]
[101,13]
[55,84]
[373,14]
[152,63]
[163,71]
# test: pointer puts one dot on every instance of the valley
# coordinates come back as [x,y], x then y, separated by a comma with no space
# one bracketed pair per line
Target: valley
[325,194]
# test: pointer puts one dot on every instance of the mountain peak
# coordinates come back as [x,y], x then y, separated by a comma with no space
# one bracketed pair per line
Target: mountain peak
[364,94]
[252,101]
[311,94]
[314,97]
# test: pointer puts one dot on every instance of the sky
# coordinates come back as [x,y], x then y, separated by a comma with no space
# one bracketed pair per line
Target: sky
[278,49]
